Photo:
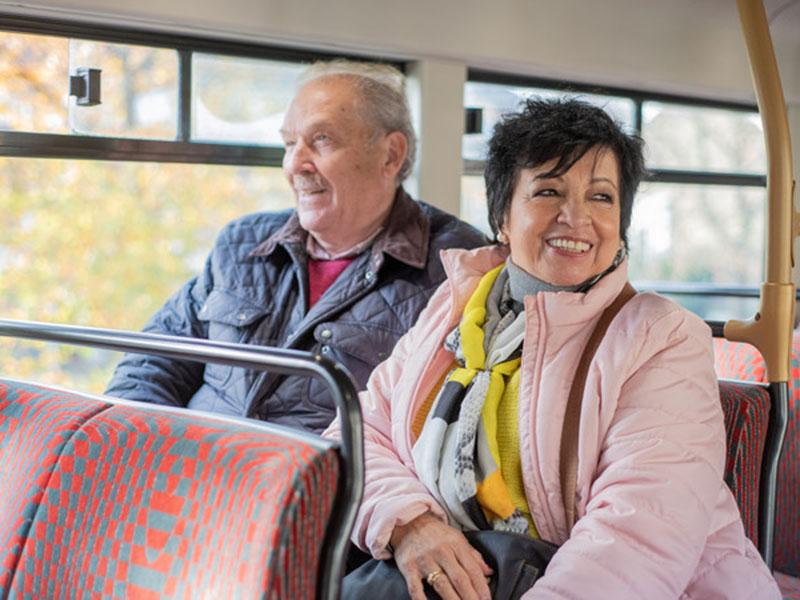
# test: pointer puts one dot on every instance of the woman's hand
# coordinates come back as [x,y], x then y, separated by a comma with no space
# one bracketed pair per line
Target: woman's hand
[425,546]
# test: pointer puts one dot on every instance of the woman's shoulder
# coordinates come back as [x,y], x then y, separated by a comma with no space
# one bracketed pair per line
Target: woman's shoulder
[661,315]
[655,333]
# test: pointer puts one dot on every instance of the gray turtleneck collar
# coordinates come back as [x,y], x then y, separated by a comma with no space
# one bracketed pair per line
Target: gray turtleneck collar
[521,283]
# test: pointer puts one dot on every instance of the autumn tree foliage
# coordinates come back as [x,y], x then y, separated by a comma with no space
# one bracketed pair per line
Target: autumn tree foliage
[101,243]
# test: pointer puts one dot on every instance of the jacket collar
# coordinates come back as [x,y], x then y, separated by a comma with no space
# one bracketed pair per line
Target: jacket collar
[464,268]
[406,234]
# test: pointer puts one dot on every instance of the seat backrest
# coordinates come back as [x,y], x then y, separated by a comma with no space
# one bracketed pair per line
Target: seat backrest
[33,433]
[149,502]
[746,410]
[742,361]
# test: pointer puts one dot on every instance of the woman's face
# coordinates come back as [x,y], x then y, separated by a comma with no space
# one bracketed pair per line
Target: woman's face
[565,229]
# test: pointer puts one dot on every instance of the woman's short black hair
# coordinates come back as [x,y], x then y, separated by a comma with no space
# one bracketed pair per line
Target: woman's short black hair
[562,130]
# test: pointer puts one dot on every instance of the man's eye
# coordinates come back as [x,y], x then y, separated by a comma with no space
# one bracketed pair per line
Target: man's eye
[288,143]
[322,138]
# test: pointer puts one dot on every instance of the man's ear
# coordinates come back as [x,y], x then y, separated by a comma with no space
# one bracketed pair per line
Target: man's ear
[397,150]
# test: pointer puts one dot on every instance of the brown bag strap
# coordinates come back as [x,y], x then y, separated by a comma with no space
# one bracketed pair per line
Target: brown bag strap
[569,435]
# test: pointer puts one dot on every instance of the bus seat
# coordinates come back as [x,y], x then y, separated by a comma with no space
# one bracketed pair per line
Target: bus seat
[741,361]
[746,409]
[33,432]
[152,502]
[789,586]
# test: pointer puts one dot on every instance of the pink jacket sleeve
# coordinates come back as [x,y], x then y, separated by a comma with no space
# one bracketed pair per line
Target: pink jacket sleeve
[659,474]
[393,495]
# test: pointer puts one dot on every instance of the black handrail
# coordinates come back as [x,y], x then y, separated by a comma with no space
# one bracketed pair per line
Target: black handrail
[277,360]
[777,424]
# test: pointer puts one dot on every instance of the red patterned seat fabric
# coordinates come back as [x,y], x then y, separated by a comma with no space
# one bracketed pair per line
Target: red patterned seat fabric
[746,409]
[742,361]
[148,503]
[33,431]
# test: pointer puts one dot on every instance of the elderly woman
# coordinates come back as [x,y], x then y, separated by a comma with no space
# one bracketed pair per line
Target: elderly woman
[464,420]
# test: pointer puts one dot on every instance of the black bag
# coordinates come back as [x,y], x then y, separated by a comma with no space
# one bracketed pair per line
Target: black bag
[517,561]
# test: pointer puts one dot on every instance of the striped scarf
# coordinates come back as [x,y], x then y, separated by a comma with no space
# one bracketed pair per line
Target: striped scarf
[456,455]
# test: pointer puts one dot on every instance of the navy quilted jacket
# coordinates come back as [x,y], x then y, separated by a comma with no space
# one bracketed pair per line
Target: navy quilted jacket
[254,290]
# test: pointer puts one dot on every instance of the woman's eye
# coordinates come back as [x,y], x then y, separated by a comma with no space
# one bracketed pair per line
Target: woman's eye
[603,198]
[547,192]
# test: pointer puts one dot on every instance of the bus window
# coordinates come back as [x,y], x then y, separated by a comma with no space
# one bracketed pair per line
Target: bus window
[105,243]
[240,100]
[703,139]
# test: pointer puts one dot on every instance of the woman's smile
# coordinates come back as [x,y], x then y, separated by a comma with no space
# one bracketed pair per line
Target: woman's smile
[568,246]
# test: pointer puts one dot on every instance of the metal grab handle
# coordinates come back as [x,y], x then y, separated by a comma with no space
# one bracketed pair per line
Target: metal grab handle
[771,329]
[278,360]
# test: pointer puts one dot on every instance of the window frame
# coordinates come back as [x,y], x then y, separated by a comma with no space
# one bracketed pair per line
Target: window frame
[181,150]
[639,97]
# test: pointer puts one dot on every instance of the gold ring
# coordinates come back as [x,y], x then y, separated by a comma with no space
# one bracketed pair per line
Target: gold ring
[433,576]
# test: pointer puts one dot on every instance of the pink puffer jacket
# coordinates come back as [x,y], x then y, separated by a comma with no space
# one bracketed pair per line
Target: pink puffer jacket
[655,519]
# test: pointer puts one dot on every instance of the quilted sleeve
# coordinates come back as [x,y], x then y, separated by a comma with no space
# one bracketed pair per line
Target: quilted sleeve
[150,378]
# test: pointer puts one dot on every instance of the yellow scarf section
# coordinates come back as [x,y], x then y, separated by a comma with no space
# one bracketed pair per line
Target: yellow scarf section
[507,435]
[502,491]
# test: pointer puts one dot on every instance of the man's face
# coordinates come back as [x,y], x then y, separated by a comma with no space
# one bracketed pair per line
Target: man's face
[342,172]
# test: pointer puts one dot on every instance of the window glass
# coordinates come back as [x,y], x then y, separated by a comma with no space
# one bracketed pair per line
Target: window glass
[240,99]
[110,253]
[497,99]
[473,202]
[33,83]
[698,233]
[702,139]
[139,91]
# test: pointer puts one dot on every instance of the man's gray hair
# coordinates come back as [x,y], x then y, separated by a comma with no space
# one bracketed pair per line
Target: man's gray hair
[382,89]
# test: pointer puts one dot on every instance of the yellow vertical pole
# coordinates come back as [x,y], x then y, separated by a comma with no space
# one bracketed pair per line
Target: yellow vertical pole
[771,329]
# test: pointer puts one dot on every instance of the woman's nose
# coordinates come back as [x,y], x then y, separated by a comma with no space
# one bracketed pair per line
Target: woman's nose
[575,212]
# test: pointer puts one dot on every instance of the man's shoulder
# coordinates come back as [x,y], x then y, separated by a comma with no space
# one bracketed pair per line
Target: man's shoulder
[448,231]
[253,228]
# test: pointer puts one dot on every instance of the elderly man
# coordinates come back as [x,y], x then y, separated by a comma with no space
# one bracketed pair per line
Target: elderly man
[345,274]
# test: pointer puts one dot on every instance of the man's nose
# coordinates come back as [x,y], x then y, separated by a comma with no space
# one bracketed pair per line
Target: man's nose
[575,211]
[298,159]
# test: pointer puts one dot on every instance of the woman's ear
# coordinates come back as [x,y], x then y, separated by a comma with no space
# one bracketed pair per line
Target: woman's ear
[502,230]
